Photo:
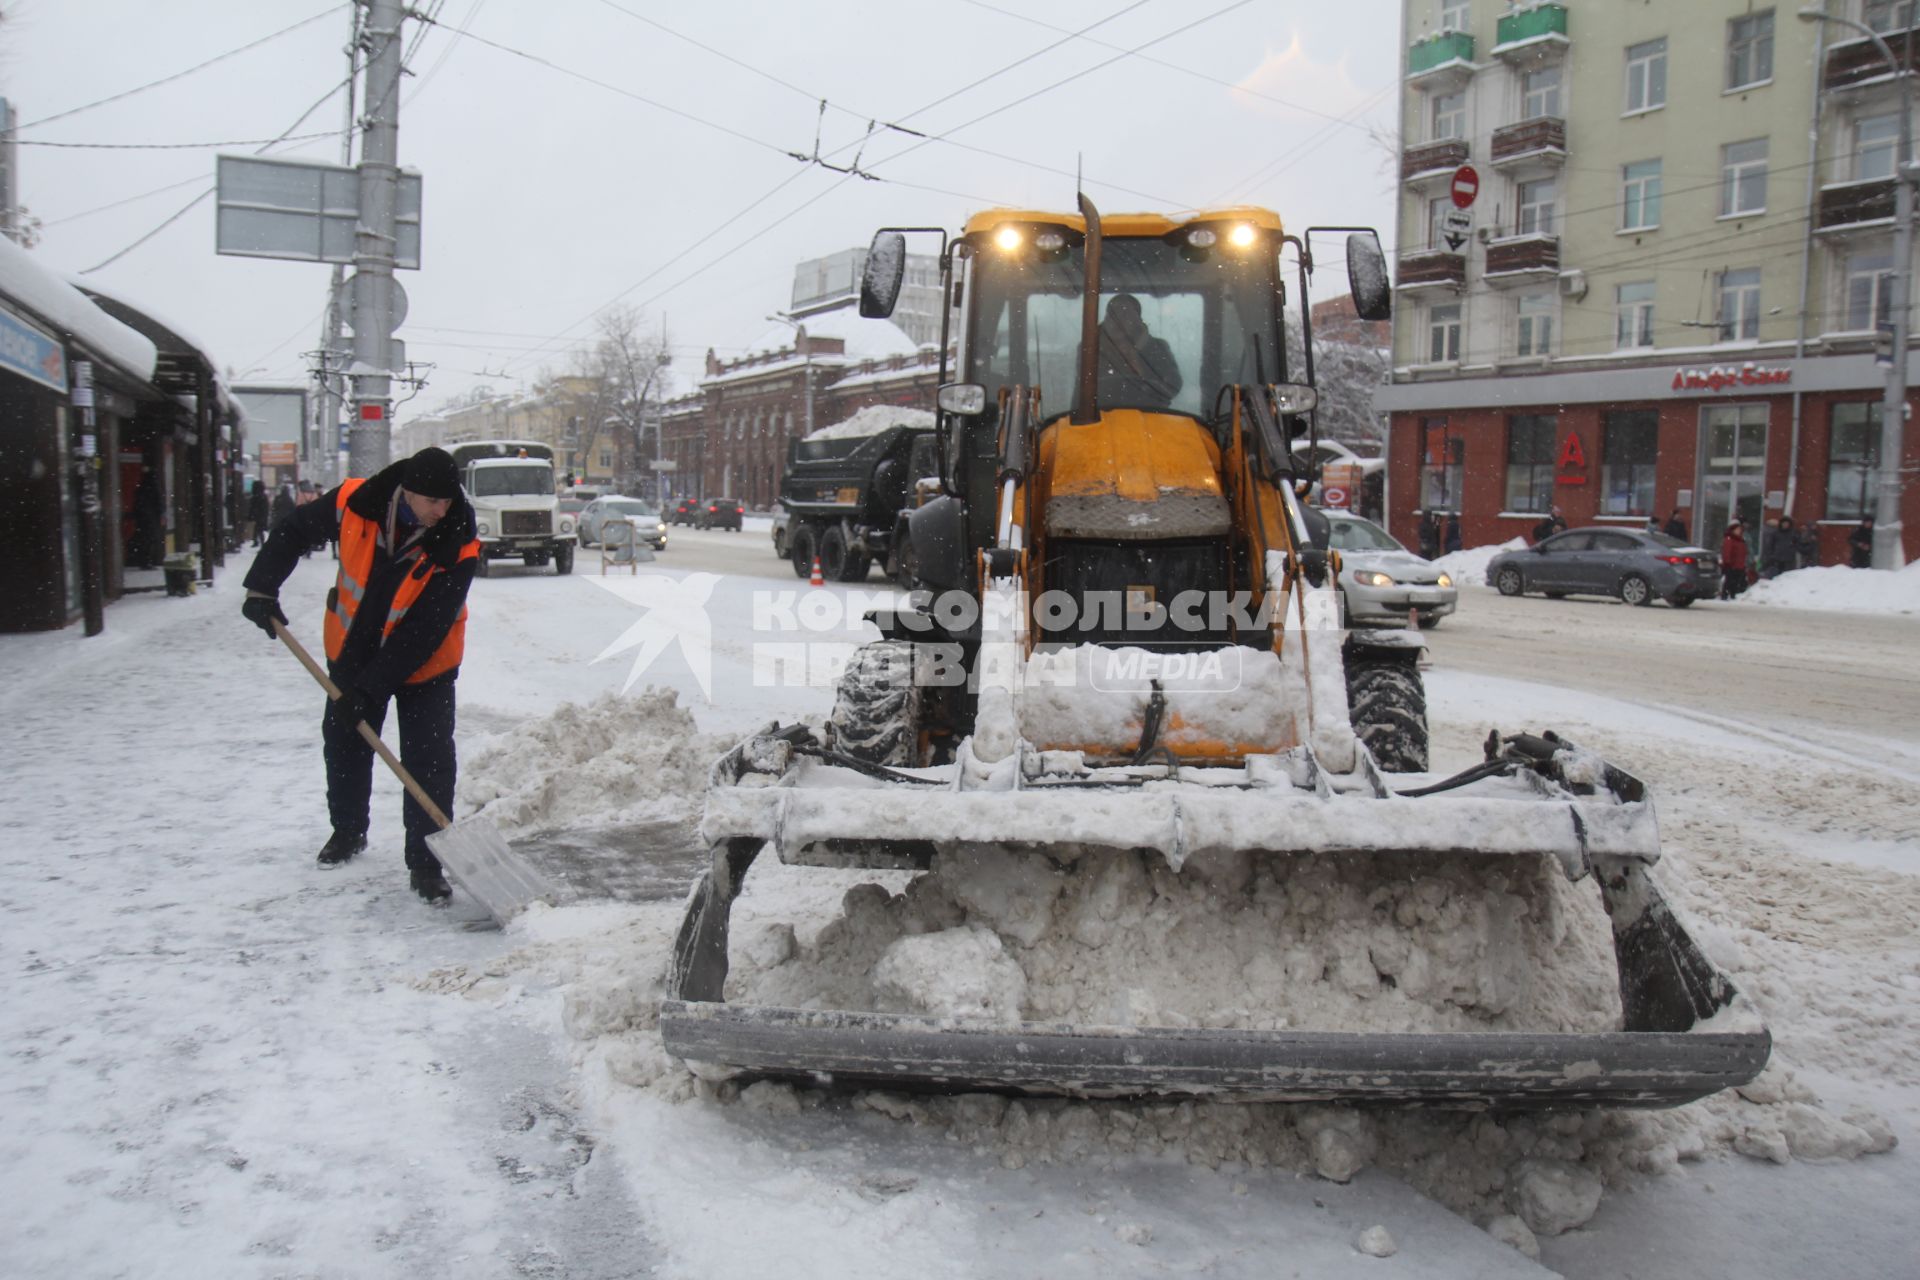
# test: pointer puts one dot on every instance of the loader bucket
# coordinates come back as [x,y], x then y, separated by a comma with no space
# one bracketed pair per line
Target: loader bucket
[1685,1031]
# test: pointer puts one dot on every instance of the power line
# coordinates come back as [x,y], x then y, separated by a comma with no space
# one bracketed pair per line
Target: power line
[153,84]
[179,146]
[115,204]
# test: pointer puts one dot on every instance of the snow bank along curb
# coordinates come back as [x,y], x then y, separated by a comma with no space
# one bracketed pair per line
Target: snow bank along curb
[1841,589]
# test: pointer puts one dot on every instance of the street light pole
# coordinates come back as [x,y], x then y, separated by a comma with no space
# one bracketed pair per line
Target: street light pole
[1889,549]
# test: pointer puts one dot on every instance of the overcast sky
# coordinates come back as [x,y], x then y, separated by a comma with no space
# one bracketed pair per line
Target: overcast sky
[549,198]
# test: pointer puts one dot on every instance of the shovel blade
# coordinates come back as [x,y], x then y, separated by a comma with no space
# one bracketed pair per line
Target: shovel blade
[477,857]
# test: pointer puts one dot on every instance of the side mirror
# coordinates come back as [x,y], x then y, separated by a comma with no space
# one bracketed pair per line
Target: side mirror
[880,281]
[1367,277]
[968,399]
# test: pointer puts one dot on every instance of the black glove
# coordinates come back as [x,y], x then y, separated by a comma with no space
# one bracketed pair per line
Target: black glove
[263,612]
[352,706]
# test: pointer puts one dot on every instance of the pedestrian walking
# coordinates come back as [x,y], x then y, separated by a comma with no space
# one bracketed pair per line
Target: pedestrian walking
[1677,526]
[1779,550]
[1551,524]
[1806,546]
[1733,562]
[1430,535]
[1452,541]
[283,504]
[259,512]
[1860,545]
[395,629]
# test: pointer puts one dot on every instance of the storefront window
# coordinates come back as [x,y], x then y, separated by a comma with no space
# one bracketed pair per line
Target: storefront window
[1629,446]
[1443,466]
[1530,462]
[1853,453]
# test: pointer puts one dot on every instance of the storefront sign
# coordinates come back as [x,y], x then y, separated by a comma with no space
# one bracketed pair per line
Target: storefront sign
[275,453]
[1729,377]
[30,353]
[1572,461]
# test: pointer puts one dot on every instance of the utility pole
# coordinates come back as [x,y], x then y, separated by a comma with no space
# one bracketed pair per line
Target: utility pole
[374,244]
[326,448]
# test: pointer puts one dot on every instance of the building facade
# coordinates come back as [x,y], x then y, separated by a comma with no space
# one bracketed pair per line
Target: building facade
[1643,260]
[832,283]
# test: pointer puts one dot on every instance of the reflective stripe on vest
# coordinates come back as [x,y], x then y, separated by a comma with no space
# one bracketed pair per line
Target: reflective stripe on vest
[359,544]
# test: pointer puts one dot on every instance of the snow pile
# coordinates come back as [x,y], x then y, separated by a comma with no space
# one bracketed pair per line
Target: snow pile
[874,419]
[1842,589]
[614,758]
[25,280]
[1469,568]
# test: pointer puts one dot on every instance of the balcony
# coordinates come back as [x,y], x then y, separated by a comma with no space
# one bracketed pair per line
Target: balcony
[1854,206]
[1522,260]
[1432,162]
[1432,269]
[1442,62]
[1540,143]
[1858,62]
[1532,37]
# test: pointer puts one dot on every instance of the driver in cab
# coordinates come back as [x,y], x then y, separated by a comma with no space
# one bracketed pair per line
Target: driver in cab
[1137,370]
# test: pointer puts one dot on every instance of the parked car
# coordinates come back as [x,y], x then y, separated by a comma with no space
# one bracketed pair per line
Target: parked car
[721,513]
[1634,565]
[781,519]
[1382,581]
[685,511]
[598,513]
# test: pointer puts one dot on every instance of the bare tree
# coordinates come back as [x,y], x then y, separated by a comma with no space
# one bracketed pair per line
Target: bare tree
[624,370]
[1346,370]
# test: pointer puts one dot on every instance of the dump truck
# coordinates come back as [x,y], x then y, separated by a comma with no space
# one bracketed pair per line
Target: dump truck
[515,504]
[848,488]
[1115,457]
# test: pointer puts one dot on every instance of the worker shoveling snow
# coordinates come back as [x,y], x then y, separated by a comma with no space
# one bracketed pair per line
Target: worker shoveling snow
[1233,943]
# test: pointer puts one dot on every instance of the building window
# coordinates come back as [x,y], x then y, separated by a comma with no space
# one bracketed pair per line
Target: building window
[1443,466]
[1436,211]
[1869,275]
[1540,93]
[1454,14]
[606,459]
[1530,454]
[1633,314]
[1449,116]
[1750,49]
[1629,445]
[1739,314]
[1889,15]
[1743,178]
[1535,201]
[1875,138]
[1853,454]
[1640,195]
[1443,333]
[1647,75]
[1535,311]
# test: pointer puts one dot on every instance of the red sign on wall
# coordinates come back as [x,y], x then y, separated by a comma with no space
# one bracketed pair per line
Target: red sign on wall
[1466,185]
[1572,461]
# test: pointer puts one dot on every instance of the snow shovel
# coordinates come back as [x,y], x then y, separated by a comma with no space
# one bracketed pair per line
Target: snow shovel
[473,853]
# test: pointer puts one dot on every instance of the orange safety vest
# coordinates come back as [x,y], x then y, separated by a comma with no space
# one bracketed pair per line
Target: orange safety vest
[359,539]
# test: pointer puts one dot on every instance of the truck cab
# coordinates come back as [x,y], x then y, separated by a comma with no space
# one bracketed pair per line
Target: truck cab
[511,486]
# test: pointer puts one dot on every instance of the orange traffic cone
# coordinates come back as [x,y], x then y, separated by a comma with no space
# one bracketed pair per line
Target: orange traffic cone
[815,580]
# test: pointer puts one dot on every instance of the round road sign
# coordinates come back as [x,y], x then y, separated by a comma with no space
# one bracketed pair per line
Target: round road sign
[1466,185]
[1333,496]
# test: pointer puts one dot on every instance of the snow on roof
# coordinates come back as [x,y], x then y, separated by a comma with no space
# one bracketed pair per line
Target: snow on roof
[64,307]
[874,419]
[864,339]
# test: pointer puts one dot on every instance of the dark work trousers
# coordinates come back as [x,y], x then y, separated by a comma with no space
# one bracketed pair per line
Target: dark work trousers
[426,749]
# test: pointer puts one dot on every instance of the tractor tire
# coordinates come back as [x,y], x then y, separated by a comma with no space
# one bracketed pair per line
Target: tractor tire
[834,556]
[804,547]
[1388,707]
[562,560]
[876,710]
[1509,582]
[857,566]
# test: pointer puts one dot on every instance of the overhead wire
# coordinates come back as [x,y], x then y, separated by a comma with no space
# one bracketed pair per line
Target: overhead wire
[177,146]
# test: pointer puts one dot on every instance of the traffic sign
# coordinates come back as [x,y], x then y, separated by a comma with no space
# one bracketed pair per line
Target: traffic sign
[1455,226]
[1333,496]
[1466,185]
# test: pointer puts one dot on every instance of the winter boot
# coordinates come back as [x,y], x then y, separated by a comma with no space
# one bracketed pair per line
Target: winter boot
[340,847]
[432,885]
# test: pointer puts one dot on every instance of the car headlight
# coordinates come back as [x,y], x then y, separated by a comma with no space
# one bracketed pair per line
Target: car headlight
[566,526]
[662,526]
[1371,578]
[485,528]
[1445,580]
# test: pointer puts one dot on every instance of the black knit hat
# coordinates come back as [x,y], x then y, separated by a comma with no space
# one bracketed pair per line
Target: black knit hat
[431,473]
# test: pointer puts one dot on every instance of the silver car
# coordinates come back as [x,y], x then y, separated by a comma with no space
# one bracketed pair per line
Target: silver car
[1381,581]
[595,516]
[1638,566]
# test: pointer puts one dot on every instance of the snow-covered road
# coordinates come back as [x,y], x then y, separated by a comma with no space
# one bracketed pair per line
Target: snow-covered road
[219,1060]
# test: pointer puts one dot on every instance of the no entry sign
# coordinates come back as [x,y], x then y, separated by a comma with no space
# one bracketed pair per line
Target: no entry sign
[1466,185]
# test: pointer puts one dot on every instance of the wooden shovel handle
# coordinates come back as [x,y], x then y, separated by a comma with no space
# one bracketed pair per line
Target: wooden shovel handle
[318,672]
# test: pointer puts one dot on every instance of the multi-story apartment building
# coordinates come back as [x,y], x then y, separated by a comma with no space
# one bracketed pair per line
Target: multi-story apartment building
[833,282]
[1667,290]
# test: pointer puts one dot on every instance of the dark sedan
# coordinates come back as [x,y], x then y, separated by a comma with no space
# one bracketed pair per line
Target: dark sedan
[685,511]
[721,513]
[1634,565]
